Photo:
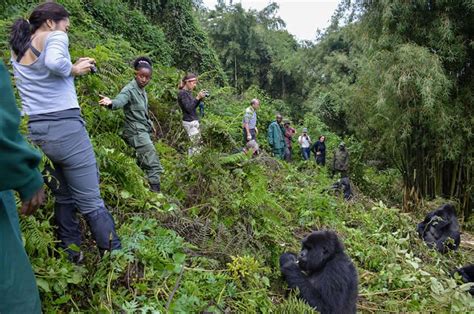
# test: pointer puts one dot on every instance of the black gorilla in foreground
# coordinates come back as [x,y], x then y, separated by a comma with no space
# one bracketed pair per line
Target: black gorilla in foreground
[440,229]
[467,275]
[323,273]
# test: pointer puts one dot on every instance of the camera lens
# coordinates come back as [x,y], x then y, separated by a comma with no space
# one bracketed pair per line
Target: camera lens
[93,69]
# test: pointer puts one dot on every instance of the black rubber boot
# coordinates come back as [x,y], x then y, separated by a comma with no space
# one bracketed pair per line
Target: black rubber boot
[103,231]
[155,187]
[68,230]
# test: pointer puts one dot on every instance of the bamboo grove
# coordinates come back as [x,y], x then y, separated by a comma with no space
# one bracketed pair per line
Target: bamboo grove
[396,75]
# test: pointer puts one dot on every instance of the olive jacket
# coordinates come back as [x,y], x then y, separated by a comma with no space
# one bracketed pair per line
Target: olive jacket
[137,126]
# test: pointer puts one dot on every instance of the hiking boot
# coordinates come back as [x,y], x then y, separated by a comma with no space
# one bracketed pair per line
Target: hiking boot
[155,187]
[77,258]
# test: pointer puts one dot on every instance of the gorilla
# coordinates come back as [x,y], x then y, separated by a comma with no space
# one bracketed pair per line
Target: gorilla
[323,273]
[440,228]
[345,185]
[467,275]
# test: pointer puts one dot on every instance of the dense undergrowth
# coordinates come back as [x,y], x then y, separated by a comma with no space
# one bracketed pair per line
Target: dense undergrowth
[211,242]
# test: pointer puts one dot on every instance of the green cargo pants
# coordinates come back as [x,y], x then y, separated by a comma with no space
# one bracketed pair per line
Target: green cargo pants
[149,161]
[18,291]
[147,158]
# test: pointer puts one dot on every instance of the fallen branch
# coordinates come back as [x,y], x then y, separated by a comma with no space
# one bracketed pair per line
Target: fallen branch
[175,288]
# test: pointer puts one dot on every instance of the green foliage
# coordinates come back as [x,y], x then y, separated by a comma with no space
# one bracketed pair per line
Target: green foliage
[119,19]
[211,241]
[253,49]
[191,50]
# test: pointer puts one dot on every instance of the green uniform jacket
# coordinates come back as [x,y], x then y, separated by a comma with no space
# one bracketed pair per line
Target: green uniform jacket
[134,102]
[18,171]
[276,137]
[341,160]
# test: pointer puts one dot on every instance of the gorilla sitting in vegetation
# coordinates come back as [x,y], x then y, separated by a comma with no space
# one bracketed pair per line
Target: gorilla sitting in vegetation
[440,229]
[323,273]
[467,275]
[345,185]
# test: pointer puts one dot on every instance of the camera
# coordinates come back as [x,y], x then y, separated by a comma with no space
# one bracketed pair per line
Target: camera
[93,68]
[206,93]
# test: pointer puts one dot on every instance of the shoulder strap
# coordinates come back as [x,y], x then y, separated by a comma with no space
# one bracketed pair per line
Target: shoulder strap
[35,51]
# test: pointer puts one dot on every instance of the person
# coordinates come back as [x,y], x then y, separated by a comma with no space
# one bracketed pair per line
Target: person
[45,80]
[289,133]
[18,166]
[341,161]
[249,122]
[138,128]
[252,146]
[305,142]
[276,137]
[319,150]
[188,105]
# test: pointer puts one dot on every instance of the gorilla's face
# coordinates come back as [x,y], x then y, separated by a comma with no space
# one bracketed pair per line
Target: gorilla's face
[317,249]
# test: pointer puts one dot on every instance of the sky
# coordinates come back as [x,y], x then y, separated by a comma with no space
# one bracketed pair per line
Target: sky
[302,17]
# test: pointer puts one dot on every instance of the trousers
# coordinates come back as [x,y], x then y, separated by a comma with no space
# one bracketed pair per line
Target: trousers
[74,180]
[194,133]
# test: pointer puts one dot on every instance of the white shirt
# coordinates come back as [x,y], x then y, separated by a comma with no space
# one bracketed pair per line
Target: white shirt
[305,141]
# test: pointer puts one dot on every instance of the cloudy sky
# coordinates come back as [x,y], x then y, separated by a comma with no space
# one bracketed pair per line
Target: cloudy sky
[302,17]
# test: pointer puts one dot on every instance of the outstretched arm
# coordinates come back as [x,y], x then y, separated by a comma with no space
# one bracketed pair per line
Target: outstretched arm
[118,102]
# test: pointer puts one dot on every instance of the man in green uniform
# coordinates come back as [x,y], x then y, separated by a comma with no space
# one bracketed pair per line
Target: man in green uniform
[18,169]
[276,137]
[340,161]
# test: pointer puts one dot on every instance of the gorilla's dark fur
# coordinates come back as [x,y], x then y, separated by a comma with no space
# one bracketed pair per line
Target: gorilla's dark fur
[323,273]
[440,229]
[345,185]
[467,275]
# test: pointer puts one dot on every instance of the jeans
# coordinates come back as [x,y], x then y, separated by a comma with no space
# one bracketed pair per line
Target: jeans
[253,134]
[74,182]
[305,151]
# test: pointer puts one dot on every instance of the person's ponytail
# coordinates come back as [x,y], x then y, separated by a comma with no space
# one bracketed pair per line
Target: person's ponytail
[20,33]
[21,30]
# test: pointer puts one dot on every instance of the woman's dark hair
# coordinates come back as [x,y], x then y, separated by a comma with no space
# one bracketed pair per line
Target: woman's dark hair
[142,62]
[187,77]
[321,137]
[21,30]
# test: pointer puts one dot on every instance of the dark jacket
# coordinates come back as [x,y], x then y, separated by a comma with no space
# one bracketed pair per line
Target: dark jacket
[341,159]
[319,147]
[188,105]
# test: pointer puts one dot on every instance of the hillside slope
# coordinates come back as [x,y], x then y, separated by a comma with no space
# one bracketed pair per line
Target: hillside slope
[211,242]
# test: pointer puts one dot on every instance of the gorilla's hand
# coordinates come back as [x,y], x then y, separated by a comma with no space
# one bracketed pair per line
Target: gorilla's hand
[287,260]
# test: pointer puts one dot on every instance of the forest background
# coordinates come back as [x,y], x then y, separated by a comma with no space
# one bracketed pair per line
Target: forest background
[393,79]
